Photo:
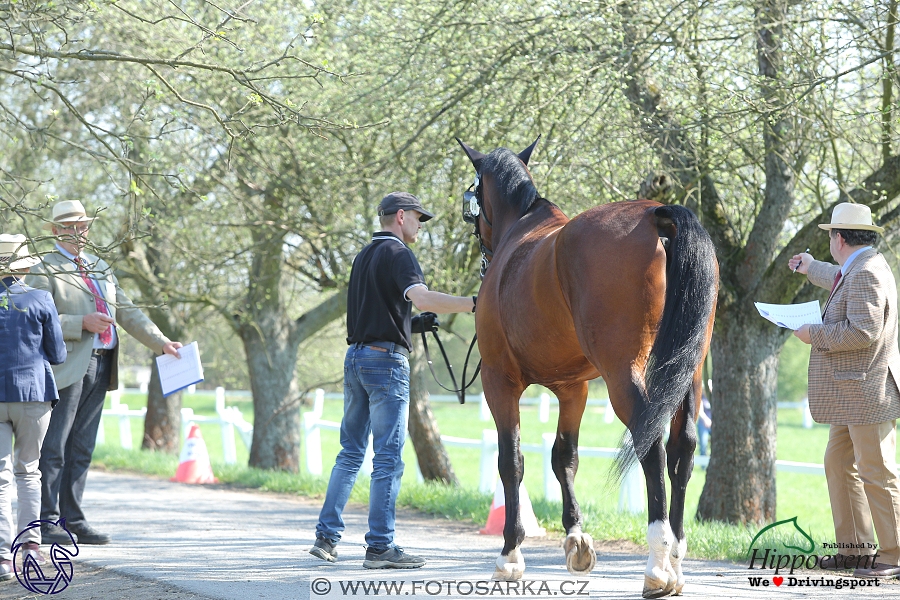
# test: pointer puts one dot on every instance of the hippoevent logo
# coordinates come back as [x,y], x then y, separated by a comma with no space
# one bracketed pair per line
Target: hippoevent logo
[44,579]
[778,562]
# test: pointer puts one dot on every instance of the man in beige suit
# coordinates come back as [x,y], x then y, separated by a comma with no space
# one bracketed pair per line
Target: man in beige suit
[854,369]
[90,303]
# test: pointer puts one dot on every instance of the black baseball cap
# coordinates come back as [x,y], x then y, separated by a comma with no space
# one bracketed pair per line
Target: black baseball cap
[395,201]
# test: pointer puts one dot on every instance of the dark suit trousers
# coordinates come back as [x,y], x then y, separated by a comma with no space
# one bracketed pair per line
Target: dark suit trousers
[69,443]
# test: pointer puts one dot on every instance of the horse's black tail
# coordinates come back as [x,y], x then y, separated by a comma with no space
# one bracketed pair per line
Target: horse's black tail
[691,289]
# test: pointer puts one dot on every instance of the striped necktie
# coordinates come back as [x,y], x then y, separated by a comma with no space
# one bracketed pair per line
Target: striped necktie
[99,303]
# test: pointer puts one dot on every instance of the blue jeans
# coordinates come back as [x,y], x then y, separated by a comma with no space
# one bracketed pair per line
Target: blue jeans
[703,438]
[376,401]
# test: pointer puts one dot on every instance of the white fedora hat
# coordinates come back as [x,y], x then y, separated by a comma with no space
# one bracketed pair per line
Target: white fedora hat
[848,215]
[14,253]
[68,211]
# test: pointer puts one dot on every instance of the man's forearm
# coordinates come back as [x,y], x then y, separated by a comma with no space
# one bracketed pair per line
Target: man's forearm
[437,302]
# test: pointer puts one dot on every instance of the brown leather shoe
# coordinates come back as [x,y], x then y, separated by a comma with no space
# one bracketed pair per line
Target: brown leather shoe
[879,571]
[837,562]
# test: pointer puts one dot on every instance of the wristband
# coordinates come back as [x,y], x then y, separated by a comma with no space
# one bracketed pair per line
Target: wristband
[474,302]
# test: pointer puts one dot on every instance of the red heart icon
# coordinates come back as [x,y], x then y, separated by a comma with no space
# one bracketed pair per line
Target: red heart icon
[778,580]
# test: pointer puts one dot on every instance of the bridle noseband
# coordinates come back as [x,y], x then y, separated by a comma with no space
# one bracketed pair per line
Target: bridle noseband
[473,212]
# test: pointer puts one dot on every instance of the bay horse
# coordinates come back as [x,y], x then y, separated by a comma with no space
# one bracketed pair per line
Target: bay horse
[625,291]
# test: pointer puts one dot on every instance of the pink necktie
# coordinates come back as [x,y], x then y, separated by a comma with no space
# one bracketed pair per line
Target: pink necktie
[106,336]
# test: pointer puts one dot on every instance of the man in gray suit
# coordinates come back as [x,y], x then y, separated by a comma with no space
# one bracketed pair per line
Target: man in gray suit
[90,303]
[853,375]
[32,341]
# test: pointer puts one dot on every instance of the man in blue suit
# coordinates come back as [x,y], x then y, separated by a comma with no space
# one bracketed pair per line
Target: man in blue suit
[32,341]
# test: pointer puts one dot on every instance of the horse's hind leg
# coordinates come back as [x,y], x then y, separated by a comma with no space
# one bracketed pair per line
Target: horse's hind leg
[660,578]
[579,547]
[503,399]
[626,392]
[680,458]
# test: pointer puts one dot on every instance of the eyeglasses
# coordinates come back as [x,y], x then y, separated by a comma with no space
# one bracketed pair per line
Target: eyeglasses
[79,228]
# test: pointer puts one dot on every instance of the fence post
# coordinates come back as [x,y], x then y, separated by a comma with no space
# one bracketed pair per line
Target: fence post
[485,414]
[229,448]
[319,402]
[544,409]
[312,435]
[187,415]
[552,491]
[312,443]
[609,415]
[124,421]
[631,494]
[488,468]
[807,416]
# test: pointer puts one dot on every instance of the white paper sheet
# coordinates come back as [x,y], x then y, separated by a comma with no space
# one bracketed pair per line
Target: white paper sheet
[176,374]
[791,316]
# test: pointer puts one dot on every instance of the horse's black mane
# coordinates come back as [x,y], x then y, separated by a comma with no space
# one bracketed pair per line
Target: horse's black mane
[511,178]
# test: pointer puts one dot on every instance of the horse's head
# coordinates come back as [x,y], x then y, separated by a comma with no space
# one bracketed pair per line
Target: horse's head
[503,188]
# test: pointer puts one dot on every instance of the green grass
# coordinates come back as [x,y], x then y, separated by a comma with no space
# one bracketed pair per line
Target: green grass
[803,496]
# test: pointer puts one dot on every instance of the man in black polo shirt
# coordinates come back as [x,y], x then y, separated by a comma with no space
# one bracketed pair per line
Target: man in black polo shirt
[385,282]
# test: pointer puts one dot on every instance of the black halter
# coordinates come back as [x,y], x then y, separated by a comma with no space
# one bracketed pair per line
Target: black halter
[473,212]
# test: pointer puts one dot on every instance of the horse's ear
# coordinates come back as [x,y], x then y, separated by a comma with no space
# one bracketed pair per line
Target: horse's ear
[474,155]
[525,154]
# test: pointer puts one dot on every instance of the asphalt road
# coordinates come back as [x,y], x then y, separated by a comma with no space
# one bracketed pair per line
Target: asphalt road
[178,542]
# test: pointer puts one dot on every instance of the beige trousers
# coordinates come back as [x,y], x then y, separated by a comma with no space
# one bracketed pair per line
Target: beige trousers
[864,486]
[28,422]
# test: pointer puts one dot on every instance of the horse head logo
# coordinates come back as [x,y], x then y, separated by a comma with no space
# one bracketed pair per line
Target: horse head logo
[812,544]
[32,576]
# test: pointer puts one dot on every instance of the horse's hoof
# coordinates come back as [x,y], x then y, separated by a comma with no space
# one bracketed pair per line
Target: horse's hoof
[659,585]
[510,567]
[580,556]
[512,574]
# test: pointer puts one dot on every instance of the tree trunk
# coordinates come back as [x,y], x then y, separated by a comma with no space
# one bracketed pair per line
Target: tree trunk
[740,481]
[271,342]
[162,424]
[271,358]
[423,428]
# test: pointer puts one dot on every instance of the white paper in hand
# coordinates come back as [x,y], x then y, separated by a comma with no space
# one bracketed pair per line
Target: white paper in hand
[176,374]
[791,316]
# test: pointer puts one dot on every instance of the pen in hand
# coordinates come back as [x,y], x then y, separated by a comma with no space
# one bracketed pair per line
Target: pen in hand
[801,261]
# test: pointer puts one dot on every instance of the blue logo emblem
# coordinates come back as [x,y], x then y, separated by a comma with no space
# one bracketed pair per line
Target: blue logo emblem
[32,576]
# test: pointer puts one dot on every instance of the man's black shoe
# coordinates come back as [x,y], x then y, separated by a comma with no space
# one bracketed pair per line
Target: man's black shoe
[324,549]
[391,558]
[54,534]
[88,535]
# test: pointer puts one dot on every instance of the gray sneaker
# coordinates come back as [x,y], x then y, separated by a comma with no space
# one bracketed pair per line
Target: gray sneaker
[325,550]
[391,558]
[54,534]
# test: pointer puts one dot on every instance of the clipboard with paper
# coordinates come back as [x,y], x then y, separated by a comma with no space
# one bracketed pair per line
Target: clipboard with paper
[178,373]
[791,316]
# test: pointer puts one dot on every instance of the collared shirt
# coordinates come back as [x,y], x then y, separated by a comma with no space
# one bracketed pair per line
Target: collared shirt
[378,309]
[850,258]
[97,343]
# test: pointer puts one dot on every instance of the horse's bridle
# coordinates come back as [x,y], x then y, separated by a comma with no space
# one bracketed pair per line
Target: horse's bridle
[473,212]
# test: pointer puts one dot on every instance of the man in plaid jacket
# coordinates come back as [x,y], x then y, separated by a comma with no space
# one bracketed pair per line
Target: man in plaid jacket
[854,370]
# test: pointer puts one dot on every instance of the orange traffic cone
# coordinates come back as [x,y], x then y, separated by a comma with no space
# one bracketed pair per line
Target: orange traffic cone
[193,464]
[497,516]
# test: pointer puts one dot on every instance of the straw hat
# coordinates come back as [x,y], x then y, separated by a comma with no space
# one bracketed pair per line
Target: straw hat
[68,211]
[847,215]
[14,253]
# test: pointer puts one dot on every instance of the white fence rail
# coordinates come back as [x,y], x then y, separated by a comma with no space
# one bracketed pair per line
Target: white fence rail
[229,419]
[631,491]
